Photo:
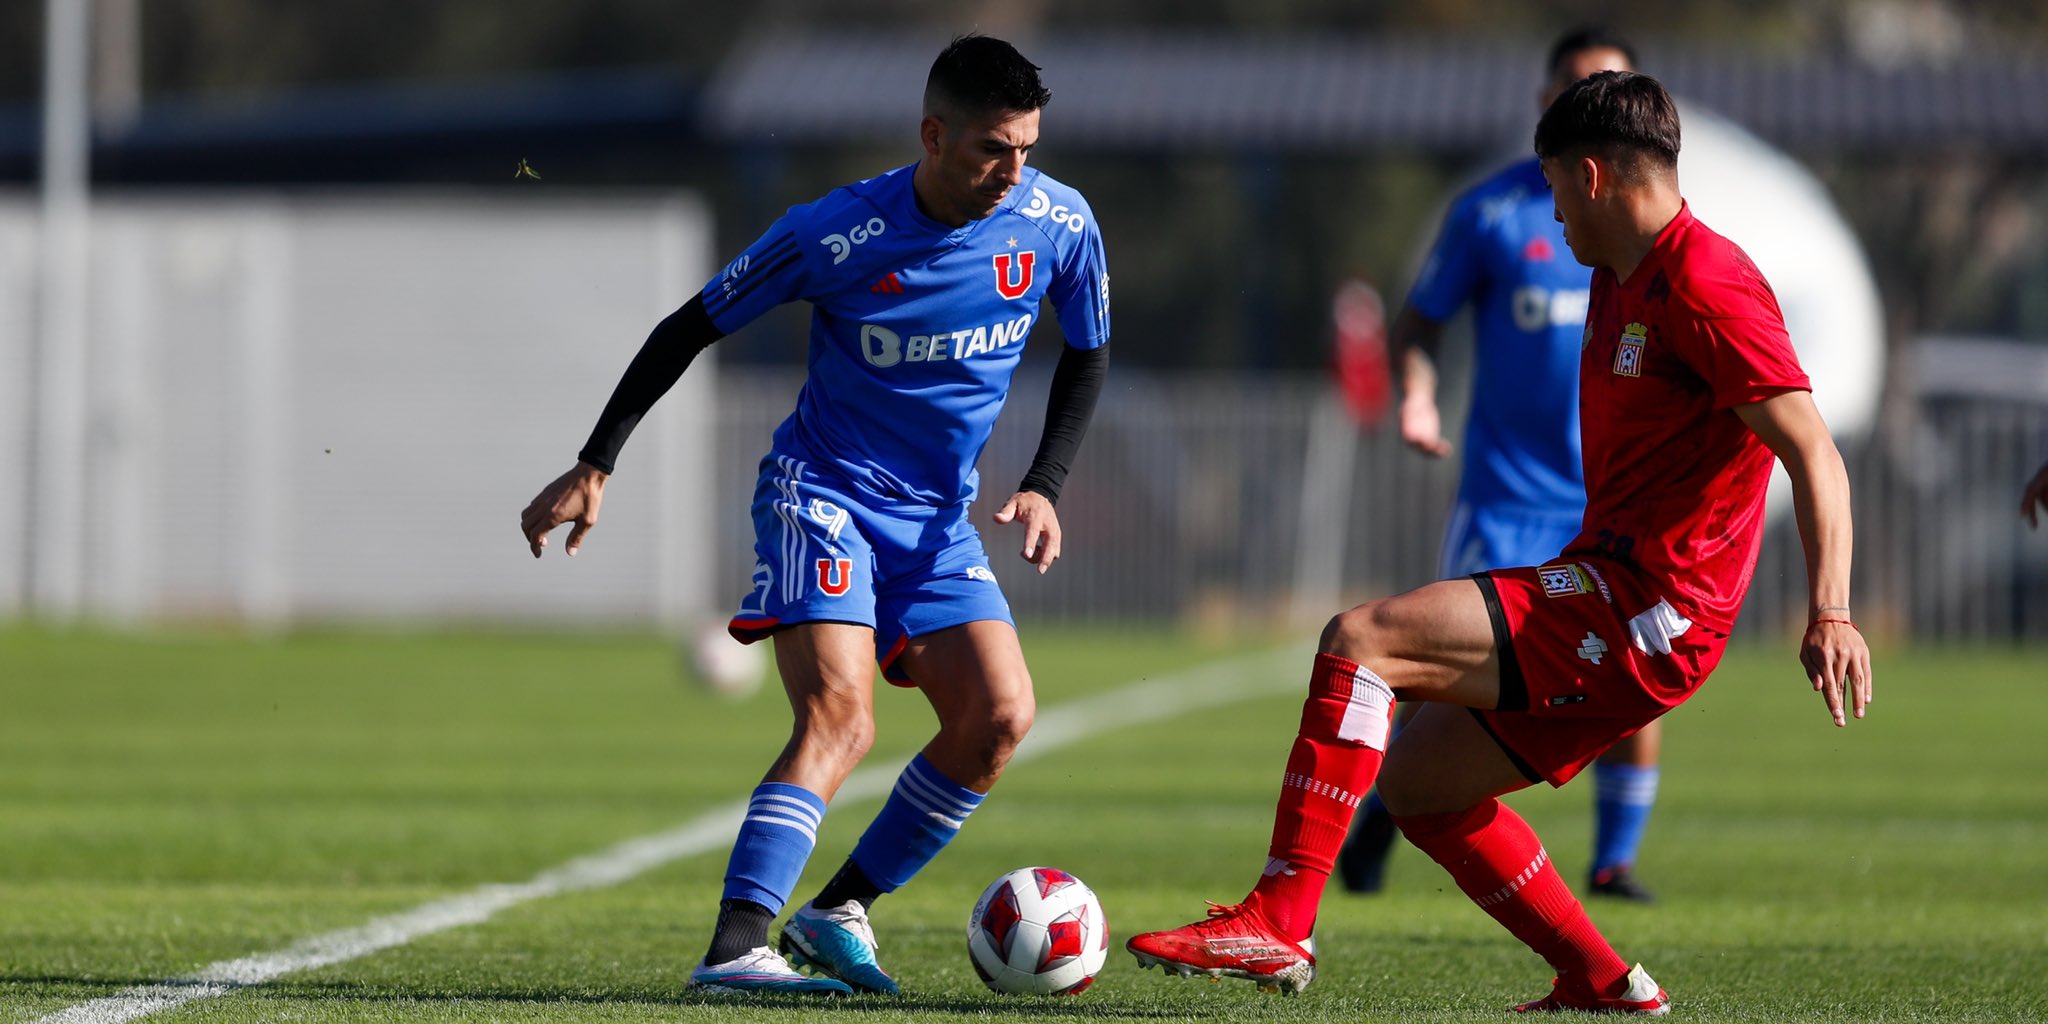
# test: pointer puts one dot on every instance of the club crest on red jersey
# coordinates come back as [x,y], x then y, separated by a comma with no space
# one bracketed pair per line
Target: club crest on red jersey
[1628,356]
[1013,278]
[1565,580]
[835,576]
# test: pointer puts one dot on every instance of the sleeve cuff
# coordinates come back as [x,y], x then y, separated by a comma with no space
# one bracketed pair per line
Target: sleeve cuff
[1750,393]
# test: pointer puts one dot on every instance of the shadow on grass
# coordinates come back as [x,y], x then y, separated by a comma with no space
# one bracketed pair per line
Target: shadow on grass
[1047,1007]
[65,984]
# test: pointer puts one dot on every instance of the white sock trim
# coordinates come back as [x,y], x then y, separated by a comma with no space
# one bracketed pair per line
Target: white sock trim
[1367,718]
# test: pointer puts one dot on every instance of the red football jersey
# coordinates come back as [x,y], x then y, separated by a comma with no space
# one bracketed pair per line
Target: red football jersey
[1675,481]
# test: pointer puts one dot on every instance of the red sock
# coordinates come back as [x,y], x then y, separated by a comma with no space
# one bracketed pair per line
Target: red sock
[1336,754]
[1497,860]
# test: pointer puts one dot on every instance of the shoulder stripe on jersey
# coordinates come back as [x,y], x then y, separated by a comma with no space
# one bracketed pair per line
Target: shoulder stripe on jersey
[772,251]
[775,248]
[724,298]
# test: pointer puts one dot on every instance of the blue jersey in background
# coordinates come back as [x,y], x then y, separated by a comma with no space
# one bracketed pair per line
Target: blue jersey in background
[1502,251]
[916,327]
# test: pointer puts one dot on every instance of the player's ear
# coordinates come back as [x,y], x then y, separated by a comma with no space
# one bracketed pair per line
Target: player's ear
[931,131]
[1595,177]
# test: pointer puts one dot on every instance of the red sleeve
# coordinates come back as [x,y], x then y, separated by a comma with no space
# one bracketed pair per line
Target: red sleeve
[1745,359]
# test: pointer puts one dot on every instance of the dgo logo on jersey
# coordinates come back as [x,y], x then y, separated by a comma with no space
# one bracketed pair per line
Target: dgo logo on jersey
[842,245]
[1042,206]
[1013,279]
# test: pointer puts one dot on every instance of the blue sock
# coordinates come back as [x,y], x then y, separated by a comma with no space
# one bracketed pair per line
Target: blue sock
[924,812]
[773,844]
[1622,811]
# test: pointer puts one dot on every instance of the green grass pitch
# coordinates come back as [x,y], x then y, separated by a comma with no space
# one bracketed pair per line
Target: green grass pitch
[172,800]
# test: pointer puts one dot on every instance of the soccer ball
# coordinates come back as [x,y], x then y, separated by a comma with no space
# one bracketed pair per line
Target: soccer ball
[1038,931]
[724,665]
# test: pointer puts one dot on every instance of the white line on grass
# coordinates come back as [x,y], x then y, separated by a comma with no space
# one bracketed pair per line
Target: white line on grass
[1137,703]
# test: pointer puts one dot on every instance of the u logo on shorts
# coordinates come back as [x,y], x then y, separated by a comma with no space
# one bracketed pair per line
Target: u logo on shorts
[835,576]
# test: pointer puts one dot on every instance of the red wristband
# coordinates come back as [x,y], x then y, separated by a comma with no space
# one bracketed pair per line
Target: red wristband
[1844,622]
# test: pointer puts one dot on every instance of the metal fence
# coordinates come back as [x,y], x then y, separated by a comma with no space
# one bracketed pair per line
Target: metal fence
[1208,500]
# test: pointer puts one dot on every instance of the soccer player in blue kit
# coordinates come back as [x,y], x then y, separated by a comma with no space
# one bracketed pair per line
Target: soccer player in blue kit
[1522,491]
[924,283]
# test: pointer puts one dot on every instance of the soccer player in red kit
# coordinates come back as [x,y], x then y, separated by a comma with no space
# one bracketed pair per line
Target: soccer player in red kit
[1688,387]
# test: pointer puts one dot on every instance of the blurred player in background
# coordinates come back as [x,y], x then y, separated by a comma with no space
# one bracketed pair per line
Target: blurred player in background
[1689,385]
[1522,491]
[924,283]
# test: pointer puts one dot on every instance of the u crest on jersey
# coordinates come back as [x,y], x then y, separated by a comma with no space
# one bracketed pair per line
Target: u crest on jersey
[835,576]
[1013,279]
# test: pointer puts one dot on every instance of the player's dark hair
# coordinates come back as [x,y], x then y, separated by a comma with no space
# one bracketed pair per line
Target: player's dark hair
[1587,37]
[1627,118]
[977,74]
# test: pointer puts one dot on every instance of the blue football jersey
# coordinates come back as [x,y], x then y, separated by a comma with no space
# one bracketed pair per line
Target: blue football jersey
[916,327]
[1502,251]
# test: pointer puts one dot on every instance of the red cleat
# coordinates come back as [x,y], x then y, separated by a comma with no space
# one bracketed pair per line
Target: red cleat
[1233,942]
[1642,998]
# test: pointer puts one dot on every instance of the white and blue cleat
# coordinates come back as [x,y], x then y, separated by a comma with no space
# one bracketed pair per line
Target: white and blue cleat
[837,942]
[760,971]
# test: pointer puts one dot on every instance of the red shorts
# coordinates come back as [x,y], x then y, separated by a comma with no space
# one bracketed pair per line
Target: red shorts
[1572,681]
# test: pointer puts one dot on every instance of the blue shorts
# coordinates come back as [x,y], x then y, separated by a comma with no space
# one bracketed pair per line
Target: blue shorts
[828,552]
[1480,538]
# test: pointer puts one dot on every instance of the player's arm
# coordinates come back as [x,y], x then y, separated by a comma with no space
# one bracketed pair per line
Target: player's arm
[2036,494]
[574,496]
[1080,296]
[1450,277]
[1417,339]
[1076,385]
[1836,659]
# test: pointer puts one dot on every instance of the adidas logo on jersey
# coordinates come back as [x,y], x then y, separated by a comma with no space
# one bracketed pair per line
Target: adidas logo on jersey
[888,285]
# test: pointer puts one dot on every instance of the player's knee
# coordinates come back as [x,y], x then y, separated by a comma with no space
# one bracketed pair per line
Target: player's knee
[1360,634]
[1008,722]
[841,734]
[991,735]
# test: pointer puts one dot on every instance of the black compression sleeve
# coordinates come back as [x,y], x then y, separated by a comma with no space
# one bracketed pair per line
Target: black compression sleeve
[1076,384]
[669,348]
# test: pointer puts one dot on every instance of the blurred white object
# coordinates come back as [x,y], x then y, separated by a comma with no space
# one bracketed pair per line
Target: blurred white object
[1780,214]
[1783,217]
[724,665]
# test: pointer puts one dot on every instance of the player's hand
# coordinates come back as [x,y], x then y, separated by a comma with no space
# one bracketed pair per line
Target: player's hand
[1041,527]
[572,498]
[2036,494]
[1422,427]
[1838,663]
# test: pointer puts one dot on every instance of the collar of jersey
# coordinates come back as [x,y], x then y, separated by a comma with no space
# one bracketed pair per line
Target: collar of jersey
[915,214]
[1666,244]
